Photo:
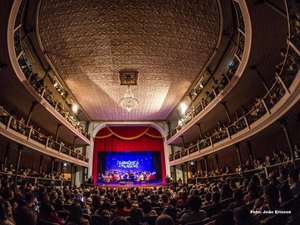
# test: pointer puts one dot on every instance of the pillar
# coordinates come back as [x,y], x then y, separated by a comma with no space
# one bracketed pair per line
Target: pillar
[217,161]
[74,141]
[251,158]
[183,142]
[175,174]
[57,131]
[30,113]
[206,164]
[4,163]
[52,167]
[227,111]
[71,173]
[183,173]
[75,174]
[211,74]
[169,128]
[186,171]
[200,130]
[284,126]
[41,164]
[260,76]
[20,150]
[238,151]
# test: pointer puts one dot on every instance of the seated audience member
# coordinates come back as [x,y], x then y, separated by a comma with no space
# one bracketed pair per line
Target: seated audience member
[75,217]
[164,220]
[207,199]
[226,192]
[283,175]
[120,210]
[271,198]
[170,211]
[164,201]
[225,217]
[136,215]
[120,221]
[47,214]
[26,216]
[293,179]
[215,208]
[194,213]
[242,216]
[285,193]
[238,198]
[147,209]
[6,213]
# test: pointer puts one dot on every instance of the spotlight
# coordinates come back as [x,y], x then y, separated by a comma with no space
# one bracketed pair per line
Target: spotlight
[75,108]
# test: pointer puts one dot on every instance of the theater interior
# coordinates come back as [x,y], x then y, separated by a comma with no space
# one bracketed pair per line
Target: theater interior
[107,106]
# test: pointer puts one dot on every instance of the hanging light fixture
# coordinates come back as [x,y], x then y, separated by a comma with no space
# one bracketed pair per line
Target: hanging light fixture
[128,101]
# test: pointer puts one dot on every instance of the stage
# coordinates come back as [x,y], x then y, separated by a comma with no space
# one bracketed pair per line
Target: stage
[130,185]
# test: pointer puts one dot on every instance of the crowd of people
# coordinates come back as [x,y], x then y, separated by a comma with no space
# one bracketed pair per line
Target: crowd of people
[18,124]
[230,201]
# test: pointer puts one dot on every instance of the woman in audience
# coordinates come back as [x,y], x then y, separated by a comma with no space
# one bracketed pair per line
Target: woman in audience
[6,214]
[47,214]
[75,217]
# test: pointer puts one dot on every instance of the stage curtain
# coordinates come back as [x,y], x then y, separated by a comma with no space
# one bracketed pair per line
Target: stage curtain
[125,139]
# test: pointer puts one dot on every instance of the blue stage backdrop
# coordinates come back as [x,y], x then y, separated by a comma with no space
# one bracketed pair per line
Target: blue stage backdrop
[136,167]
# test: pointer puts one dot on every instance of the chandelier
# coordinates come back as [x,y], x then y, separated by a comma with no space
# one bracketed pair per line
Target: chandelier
[128,101]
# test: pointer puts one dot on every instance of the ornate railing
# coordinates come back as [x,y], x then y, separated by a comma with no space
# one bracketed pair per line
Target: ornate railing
[33,134]
[36,75]
[37,180]
[227,75]
[259,109]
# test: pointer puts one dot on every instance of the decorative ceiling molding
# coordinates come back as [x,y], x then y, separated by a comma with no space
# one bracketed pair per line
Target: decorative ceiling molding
[167,42]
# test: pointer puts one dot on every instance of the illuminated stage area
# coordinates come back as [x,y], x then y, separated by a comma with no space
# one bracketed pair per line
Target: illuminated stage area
[129,168]
[129,157]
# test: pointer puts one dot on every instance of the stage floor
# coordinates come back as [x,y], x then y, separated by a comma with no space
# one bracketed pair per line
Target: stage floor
[130,185]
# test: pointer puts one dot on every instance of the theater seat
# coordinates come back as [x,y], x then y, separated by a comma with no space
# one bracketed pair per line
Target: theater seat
[149,219]
[100,220]
[44,222]
[200,222]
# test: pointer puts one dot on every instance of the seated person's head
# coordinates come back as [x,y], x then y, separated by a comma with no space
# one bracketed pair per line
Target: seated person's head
[164,220]
[195,203]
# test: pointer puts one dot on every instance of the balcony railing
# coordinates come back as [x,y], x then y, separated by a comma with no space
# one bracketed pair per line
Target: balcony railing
[32,134]
[258,110]
[227,75]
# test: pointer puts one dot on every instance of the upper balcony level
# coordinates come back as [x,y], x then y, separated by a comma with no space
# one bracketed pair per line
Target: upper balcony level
[281,97]
[39,81]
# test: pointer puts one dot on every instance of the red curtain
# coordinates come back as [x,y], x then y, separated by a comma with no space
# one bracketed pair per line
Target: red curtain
[125,139]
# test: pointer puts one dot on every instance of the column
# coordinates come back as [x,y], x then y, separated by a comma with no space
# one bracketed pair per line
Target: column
[200,130]
[74,141]
[227,111]
[175,174]
[186,172]
[41,164]
[30,113]
[169,128]
[52,168]
[4,163]
[182,138]
[238,151]
[284,126]
[264,83]
[75,174]
[217,161]
[20,150]
[57,131]
[183,173]
[251,158]
[206,164]
[211,74]
[71,173]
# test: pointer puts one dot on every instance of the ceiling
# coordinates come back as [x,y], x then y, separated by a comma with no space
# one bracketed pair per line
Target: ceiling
[168,42]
